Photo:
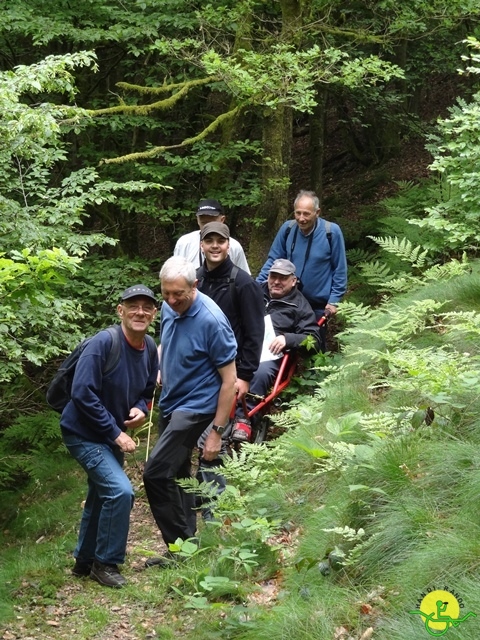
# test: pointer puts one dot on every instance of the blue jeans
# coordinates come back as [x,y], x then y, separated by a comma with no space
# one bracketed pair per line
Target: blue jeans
[106,515]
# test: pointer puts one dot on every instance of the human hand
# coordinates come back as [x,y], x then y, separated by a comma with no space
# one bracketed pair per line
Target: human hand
[212,446]
[125,443]
[136,418]
[242,387]
[278,345]
[332,310]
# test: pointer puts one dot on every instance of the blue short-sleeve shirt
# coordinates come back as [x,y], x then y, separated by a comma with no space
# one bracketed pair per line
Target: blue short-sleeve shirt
[194,346]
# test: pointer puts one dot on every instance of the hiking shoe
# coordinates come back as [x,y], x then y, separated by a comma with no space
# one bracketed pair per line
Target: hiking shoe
[242,431]
[107,575]
[81,569]
[165,561]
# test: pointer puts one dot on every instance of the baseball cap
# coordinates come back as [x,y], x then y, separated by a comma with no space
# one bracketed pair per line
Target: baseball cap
[209,207]
[138,290]
[215,227]
[283,266]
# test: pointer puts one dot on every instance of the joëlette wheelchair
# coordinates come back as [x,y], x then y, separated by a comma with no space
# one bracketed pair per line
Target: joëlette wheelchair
[257,417]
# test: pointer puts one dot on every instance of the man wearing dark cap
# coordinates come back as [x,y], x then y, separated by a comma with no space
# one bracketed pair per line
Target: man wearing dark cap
[103,405]
[292,319]
[188,245]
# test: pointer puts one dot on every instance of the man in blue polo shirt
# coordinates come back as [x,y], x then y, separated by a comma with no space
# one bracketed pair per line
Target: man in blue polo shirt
[198,376]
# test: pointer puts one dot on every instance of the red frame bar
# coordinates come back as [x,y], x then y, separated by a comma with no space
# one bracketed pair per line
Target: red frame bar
[284,375]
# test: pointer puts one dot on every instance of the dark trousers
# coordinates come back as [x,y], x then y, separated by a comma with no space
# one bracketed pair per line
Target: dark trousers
[173,508]
[263,379]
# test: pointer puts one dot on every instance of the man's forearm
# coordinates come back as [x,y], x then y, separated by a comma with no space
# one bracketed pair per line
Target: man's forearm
[225,403]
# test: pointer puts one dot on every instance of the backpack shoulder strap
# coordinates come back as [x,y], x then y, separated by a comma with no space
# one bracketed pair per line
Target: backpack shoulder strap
[152,348]
[233,276]
[289,228]
[328,231]
[115,349]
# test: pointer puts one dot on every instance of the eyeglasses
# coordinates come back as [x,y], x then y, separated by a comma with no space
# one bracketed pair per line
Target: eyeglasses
[147,309]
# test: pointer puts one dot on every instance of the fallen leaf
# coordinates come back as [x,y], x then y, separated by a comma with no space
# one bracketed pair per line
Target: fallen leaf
[366,608]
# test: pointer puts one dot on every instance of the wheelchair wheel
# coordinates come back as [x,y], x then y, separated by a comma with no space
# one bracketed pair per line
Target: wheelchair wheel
[260,430]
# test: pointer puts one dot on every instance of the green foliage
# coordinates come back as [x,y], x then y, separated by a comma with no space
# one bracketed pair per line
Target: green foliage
[42,216]
[403,249]
[21,445]
[452,222]
[285,75]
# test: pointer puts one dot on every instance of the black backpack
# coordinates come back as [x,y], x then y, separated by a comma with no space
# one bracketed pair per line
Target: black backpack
[60,389]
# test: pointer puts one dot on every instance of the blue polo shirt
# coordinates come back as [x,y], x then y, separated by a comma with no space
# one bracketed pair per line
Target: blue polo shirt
[194,346]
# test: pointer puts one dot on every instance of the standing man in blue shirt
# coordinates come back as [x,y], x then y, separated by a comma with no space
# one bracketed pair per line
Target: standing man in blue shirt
[198,376]
[317,249]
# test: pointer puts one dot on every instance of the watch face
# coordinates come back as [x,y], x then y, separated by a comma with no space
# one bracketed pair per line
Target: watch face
[219,430]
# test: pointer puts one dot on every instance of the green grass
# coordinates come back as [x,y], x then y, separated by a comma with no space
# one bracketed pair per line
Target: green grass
[414,494]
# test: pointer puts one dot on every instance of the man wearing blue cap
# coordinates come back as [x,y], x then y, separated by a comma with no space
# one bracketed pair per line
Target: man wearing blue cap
[104,404]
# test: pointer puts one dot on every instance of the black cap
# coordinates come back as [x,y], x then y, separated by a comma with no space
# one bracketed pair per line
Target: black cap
[209,207]
[139,290]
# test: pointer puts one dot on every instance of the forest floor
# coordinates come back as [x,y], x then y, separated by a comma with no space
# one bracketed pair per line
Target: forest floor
[35,620]
[139,611]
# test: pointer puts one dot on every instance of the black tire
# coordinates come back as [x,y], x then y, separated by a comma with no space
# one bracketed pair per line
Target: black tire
[260,430]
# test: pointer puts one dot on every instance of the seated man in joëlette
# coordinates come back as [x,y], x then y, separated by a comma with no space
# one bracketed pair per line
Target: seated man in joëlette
[291,318]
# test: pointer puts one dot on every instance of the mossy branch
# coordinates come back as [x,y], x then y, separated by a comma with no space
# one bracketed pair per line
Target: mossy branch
[159,105]
[165,87]
[143,155]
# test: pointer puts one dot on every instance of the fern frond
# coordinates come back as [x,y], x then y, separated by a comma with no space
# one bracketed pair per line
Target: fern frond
[447,271]
[399,324]
[355,256]
[356,313]
[386,423]
[403,249]
[400,285]
[463,322]
[375,273]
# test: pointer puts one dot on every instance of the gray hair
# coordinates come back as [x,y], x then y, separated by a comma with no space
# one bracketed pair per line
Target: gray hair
[178,267]
[307,194]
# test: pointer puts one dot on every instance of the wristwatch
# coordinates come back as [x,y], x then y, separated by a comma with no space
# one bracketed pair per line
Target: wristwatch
[218,429]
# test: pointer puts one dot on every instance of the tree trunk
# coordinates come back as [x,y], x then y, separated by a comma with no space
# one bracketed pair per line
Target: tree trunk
[277,148]
[277,142]
[317,143]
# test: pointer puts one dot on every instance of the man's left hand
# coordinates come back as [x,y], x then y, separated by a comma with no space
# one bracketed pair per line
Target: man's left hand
[212,446]
[136,418]
[242,387]
[331,309]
